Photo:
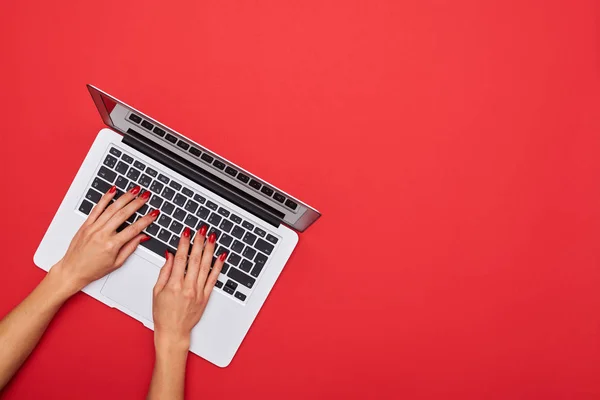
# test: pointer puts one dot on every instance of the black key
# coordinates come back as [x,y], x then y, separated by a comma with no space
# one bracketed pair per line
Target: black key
[215,231]
[174,241]
[147,125]
[226,225]
[176,227]
[168,193]
[187,192]
[234,259]
[160,132]
[212,205]
[218,164]
[241,277]
[219,284]
[255,184]
[195,151]
[225,268]
[122,226]
[236,219]
[163,179]
[110,161]
[171,138]
[249,253]
[214,219]
[214,259]
[203,212]
[130,186]
[167,208]
[225,240]
[191,221]
[165,221]
[249,238]
[223,212]
[202,223]
[86,207]
[240,295]
[164,235]
[227,289]
[291,204]
[247,225]
[243,178]
[231,284]
[179,214]
[183,145]
[151,172]
[156,186]
[267,190]
[133,174]
[114,152]
[152,229]
[121,167]
[220,251]
[127,158]
[191,206]
[135,118]
[175,185]
[107,174]
[131,219]
[93,196]
[101,185]
[231,171]
[199,199]
[208,158]
[272,239]
[143,209]
[259,263]
[158,247]
[238,232]
[118,194]
[237,246]
[179,199]
[259,232]
[279,197]
[145,180]
[122,182]
[156,201]
[139,165]
[264,246]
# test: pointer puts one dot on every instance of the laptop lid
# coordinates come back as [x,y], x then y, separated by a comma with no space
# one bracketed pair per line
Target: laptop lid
[203,166]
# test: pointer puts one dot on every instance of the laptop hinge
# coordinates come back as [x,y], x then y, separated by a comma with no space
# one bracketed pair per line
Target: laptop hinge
[198,175]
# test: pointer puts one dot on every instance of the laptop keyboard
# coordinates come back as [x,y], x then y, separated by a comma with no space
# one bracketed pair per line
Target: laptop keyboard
[248,246]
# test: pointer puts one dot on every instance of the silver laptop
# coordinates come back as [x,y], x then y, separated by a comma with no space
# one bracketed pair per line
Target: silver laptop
[256,223]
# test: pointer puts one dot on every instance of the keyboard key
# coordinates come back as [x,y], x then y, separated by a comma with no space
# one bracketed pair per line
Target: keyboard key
[226,225]
[291,204]
[191,206]
[156,201]
[145,180]
[220,251]
[238,232]
[171,138]
[168,193]
[147,125]
[208,158]
[249,238]
[272,239]
[122,226]
[264,246]
[267,190]
[255,184]
[249,253]
[122,182]
[176,227]
[167,208]
[133,174]
[203,212]
[107,174]
[199,199]
[191,221]
[183,145]
[164,235]
[151,172]
[139,165]
[165,221]
[231,171]
[225,268]
[160,132]
[175,185]
[143,209]
[237,246]
[223,212]
[219,284]
[201,224]
[127,159]
[131,219]
[215,231]
[179,199]
[158,247]
[152,229]
[115,152]
[93,196]
[231,284]
[110,161]
[212,205]
[163,179]
[243,178]
[279,197]
[86,207]
[247,225]
[234,259]
[101,185]
[227,289]
[225,240]
[259,232]
[259,263]
[174,241]
[236,219]
[179,214]
[195,151]
[219,165]
[187,192]
[118,194]
[130,186]
[156,187]
[214,219]
[121,167]
[135,118]
[240,295]
[241,277]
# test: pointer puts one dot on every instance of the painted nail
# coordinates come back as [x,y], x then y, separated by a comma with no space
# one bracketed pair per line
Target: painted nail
[135,190]
[223,256]
[202,230]
[146,195]
[186,232]
[144,239]
[212,238]
[112,189]
[167,254]
[154,213]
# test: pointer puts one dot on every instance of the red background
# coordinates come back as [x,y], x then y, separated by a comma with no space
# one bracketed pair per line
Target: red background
[452,147]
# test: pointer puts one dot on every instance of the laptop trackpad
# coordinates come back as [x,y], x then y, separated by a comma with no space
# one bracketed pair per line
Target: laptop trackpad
[131,285]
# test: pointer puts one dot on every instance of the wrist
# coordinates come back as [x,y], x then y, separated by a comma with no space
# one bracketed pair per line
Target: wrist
[63,284]
[169,343]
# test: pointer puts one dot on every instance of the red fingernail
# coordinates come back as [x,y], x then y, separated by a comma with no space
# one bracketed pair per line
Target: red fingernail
[112,189]
[223,256]
[146,195]
[144,239]
[154,213]
[212,238]
[167,254]
[186,232]
[135,190]
[203,230]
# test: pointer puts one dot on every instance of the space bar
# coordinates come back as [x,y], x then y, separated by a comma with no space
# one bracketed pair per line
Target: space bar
[157,247]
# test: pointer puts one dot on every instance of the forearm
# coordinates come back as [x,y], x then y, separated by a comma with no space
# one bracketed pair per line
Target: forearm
[22,328]
[168,377]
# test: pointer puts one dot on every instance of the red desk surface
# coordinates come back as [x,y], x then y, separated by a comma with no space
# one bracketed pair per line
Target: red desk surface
[453,148]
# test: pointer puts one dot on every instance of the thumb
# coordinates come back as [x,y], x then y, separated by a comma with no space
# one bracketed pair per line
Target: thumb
[128,249]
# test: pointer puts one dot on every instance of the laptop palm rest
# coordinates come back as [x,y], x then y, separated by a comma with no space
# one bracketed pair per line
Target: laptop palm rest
[131,286]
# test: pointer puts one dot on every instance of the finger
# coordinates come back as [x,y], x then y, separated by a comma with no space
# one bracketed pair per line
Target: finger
[128,248]
[181,257]
[191,277]
[138,226]
[207,256]
[118,204]
[214,274]
[124,213]
[101,206]
[165,273]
